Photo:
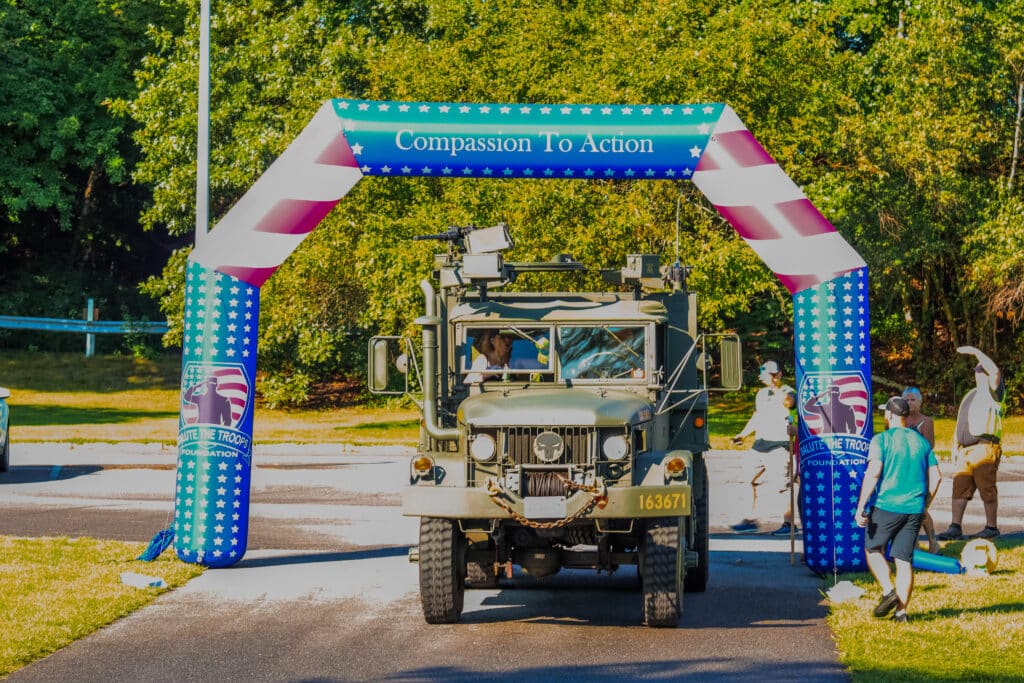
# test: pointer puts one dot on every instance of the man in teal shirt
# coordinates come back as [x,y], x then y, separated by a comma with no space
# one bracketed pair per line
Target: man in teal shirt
[902,477]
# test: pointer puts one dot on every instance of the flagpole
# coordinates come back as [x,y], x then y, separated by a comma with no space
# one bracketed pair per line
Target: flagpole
[203,135]
[792,501]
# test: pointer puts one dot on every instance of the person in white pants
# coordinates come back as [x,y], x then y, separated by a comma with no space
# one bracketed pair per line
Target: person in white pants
[768,463]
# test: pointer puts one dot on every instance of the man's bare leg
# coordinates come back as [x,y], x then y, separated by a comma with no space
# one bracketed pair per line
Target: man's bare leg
[904,583]
[879,567]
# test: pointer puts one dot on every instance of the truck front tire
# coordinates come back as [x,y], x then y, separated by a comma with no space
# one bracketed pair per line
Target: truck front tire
[442,570]
[662,588]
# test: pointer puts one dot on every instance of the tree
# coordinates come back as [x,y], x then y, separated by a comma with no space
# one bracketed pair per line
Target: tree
[916,179]
[70,214]
[894,118]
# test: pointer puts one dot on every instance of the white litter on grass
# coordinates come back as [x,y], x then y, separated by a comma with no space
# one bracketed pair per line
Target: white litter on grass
[844,591]
[142,581]
[979,557]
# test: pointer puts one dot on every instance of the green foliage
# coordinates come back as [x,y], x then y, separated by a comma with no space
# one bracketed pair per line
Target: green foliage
[69,220]
[897,119]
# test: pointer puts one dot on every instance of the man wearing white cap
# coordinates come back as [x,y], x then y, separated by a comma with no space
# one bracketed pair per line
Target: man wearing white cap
[976,447]
[769,463]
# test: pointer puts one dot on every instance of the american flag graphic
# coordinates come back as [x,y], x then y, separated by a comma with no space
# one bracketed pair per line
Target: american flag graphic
[211,509]
[833,353]
[229,381]
[833,404]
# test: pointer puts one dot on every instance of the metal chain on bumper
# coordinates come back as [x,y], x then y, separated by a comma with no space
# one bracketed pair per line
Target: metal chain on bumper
[599,498]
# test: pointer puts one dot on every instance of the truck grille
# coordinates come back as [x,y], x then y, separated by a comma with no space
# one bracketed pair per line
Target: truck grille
[580,444]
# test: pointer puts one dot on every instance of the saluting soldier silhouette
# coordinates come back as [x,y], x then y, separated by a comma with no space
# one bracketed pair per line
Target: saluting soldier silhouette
[838,417]
[213,407]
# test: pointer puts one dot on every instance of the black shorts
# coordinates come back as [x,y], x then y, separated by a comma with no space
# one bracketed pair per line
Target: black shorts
[900,528]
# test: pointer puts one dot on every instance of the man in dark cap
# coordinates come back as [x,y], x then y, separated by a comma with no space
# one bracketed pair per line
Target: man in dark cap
[976,447]
[901,479]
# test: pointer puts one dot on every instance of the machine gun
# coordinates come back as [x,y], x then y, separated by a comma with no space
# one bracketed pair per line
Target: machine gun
[455,234]
[469,239]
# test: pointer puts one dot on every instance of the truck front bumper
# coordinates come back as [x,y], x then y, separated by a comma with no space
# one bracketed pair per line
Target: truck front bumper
[475,503]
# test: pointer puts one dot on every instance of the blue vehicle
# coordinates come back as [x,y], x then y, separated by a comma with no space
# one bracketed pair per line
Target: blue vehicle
[5,446]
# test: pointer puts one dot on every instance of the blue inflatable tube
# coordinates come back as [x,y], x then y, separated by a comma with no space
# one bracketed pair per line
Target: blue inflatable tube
[930,562]
[218,391]
[833,375]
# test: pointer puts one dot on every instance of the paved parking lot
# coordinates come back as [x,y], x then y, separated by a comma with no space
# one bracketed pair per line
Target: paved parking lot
[326,592]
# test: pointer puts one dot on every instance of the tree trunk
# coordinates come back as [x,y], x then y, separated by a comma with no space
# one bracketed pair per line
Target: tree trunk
[1016,133]
[88,203]
[947,310]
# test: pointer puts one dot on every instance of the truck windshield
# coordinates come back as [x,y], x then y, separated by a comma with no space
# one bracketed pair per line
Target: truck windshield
[514,348]
[602,352]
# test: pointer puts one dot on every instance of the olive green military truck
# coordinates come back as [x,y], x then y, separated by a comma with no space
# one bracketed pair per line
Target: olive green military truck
[560,429]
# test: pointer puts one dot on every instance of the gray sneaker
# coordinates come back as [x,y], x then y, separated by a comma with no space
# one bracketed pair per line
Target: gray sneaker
[953,533]
[987,532]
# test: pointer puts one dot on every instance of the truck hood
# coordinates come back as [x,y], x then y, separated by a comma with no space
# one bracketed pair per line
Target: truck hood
[553,407]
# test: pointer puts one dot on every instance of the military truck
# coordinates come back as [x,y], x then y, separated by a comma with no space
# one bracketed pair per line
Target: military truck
[582,447]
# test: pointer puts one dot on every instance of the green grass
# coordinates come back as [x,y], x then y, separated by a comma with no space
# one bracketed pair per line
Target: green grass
[66,397]
[54,591]
[73,373]
[961,627]
[70,398]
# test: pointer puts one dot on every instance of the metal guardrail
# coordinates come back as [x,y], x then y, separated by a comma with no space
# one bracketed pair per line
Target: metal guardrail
[88,327]
[81,326]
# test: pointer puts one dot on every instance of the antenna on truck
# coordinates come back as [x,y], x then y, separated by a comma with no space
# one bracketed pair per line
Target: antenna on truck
[677,272]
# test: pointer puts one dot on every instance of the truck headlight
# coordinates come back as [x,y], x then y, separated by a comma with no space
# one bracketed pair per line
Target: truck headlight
[615,447]
[482,447]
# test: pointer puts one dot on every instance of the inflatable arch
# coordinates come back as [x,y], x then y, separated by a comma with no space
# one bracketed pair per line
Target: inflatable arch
[348,139]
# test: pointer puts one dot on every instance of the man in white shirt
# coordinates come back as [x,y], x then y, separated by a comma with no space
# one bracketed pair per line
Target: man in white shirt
[768,464]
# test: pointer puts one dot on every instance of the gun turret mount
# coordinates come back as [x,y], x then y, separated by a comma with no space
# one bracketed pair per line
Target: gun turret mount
[469,239]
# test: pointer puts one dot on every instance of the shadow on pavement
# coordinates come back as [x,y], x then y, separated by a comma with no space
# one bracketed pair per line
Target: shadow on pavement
[672,670]
[33,474]
[315,558]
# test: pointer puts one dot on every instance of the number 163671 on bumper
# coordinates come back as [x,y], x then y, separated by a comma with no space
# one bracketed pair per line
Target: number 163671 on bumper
[669,501]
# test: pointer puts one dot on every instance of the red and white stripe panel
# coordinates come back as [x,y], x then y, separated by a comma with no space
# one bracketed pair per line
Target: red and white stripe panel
[768,210]
[285,204]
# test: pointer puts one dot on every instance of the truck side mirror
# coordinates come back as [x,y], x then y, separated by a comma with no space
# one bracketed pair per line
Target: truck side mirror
[732,362]
[387,367]
[378,370]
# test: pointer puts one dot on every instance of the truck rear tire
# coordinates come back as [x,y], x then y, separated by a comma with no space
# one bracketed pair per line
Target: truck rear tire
[442,570]
[662,589]
[696,580]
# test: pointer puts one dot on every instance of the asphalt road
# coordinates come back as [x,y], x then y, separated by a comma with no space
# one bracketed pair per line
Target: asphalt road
[325,592]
